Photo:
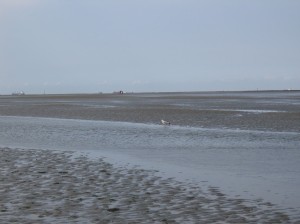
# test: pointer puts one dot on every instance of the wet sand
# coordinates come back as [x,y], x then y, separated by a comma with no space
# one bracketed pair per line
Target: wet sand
[43,186]
[242,110]
[40,186]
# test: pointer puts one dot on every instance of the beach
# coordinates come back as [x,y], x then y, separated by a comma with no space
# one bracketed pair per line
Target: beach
[46,186]
[227,157]
[207,109]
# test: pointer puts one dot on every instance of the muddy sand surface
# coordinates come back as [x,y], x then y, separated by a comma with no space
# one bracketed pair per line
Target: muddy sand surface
[242,110]
[42,186]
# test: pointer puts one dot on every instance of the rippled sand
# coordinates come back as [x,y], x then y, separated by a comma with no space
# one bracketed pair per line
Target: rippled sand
[42,186]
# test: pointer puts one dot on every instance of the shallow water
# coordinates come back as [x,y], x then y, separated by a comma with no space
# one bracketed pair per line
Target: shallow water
[245,143]
[252,164]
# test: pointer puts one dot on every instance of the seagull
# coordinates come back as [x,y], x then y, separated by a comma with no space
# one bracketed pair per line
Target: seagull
[163,122]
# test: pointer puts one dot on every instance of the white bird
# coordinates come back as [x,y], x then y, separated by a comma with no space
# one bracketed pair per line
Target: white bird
[165,122]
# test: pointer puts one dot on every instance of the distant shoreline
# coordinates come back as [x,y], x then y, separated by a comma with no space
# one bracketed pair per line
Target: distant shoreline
[154,92]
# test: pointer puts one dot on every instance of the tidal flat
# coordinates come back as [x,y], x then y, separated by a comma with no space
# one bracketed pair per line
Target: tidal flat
[226,157]
[47,186]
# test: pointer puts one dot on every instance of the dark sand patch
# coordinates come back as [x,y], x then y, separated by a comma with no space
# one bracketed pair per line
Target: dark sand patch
[42,186]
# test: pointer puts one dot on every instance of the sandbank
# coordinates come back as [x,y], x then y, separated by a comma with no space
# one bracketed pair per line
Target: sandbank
[48,186]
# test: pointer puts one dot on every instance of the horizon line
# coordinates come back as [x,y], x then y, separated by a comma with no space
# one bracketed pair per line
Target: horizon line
[148,92]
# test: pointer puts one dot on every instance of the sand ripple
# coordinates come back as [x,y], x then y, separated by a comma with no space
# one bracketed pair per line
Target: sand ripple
[42,186]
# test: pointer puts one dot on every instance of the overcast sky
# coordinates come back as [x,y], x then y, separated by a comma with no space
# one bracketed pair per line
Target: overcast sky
[71,46]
